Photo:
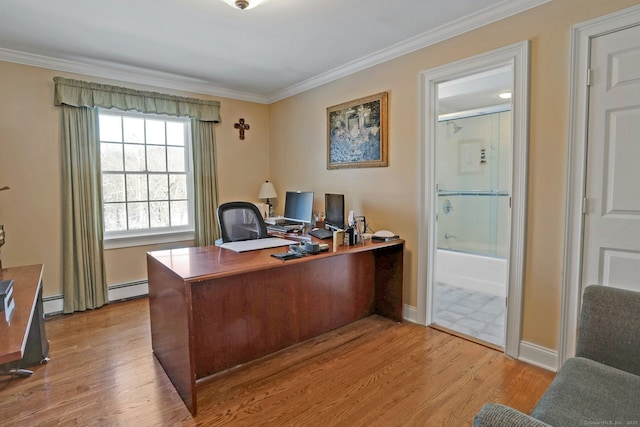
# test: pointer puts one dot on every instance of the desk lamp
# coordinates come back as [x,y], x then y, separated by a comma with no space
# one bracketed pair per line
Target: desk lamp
[267,191]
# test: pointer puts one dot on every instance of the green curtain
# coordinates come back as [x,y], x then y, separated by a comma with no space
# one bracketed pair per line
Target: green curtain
[83,274]
[83,264]
[205,182]
[77,93]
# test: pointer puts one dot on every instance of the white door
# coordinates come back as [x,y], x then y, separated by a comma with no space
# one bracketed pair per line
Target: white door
[611,251]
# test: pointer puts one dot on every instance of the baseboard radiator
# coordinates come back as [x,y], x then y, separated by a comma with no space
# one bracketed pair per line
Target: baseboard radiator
[119,292]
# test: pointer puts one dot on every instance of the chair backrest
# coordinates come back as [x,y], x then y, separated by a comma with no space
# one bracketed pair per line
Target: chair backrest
[241,221]
[609,330]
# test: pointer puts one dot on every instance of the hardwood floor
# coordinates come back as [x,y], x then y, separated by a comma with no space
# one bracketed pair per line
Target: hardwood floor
[374,372]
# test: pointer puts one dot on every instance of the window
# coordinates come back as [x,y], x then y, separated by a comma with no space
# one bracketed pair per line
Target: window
[147,182]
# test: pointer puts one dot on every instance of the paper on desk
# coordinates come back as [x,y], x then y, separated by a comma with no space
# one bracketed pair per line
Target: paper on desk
[253,245]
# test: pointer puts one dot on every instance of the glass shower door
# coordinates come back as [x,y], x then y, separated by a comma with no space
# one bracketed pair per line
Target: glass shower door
[470,274]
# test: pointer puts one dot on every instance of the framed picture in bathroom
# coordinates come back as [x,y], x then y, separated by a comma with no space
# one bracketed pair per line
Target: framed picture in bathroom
[357,133]
[469,157]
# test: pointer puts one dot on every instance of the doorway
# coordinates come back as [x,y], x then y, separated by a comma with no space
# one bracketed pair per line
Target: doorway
[473,215]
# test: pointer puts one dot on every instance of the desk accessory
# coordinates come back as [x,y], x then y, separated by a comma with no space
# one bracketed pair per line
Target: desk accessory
[308,248]
[338,239]
[321,233]
[311,247]
[384,236]
[9,305]
[6,291]
[297,249]
[352,236]
[287,255]
[6,295]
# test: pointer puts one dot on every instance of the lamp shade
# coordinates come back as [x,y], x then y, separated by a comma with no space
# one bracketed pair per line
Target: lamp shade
[267,191]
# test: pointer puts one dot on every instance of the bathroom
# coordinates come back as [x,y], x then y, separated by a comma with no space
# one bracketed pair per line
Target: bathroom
[473,152]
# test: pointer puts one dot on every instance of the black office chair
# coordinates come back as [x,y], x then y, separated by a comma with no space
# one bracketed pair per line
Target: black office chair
[241,221]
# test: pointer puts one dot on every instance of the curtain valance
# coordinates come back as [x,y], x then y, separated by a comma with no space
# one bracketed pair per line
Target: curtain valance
[77,93]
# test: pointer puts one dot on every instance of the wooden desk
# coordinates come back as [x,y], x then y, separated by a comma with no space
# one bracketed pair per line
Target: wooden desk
[212,308]
[23,340]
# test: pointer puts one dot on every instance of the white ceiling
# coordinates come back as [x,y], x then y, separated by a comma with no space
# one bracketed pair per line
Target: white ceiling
[280,48]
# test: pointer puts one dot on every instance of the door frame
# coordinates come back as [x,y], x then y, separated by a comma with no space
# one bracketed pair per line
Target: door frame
[518,55]
[581,36]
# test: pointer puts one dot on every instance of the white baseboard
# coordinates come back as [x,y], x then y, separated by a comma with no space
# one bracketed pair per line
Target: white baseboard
[410,314]
[539,356]
[55,304]
[128,290]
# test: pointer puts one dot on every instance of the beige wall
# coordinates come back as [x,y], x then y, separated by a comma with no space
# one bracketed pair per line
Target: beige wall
[295,130]
[389,196]
[30,165]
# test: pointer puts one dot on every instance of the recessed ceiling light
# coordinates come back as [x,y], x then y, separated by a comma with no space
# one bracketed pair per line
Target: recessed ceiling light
[505,95]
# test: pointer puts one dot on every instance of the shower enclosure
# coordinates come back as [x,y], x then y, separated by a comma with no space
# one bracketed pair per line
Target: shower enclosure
[472,172]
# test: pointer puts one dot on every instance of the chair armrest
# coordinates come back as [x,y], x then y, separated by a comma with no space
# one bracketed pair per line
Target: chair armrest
[496,415]
[609,330]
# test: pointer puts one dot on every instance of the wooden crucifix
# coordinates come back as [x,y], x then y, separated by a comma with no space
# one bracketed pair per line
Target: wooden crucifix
[242,127]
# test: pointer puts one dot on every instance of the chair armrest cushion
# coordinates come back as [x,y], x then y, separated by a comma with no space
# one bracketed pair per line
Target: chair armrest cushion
[609,329]
[497,415]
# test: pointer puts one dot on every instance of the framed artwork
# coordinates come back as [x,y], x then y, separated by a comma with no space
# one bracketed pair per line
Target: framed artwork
[470,157]
[357,133]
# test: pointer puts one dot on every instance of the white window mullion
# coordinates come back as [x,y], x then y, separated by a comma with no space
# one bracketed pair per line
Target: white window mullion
[127,236]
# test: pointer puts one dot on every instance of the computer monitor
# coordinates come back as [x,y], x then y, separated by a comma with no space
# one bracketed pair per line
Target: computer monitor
[298,206]
[334,210]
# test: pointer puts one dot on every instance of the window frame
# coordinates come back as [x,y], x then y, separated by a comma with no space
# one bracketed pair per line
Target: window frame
[152,235]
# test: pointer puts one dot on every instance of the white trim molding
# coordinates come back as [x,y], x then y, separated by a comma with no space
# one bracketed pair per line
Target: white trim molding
[410,314]
[516,56]
[539,356]
[581,36]
[129,74]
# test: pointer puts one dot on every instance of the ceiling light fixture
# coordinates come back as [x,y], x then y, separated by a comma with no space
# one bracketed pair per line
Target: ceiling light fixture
[243,4]
[505,95]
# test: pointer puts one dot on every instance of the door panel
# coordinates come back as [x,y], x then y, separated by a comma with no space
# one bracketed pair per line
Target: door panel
[618,266]
[612,222]
[622,192]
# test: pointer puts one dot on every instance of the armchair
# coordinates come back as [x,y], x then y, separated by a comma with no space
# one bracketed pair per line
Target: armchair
[601,384]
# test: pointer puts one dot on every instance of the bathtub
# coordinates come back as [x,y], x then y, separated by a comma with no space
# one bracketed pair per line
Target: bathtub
[471,271]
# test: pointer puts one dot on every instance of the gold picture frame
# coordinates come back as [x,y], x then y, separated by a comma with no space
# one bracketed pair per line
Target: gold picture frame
[357,133]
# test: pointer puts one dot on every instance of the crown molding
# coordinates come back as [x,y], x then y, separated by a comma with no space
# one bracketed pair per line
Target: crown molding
[471,22]
[128,74]
[172,81]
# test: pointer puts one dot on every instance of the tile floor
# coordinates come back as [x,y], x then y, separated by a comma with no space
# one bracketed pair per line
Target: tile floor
[472,313]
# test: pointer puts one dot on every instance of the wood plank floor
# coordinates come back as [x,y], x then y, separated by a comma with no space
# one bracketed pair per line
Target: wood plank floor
[374,372]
